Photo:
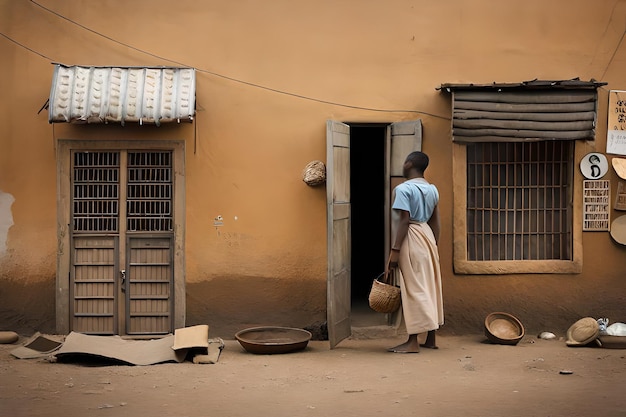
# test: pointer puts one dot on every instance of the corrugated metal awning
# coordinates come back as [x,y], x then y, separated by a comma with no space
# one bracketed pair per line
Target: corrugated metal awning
[122,94]
[527,111]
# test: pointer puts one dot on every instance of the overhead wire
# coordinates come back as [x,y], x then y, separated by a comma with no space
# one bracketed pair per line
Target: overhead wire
[26,47]
[247,82]
[251,84]
[621,39]
[606,68]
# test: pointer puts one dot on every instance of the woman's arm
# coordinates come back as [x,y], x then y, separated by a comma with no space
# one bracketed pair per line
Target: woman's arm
[401,232]
[403,229]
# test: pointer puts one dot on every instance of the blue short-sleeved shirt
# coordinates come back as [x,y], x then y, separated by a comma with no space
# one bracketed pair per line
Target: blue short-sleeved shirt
[418,197]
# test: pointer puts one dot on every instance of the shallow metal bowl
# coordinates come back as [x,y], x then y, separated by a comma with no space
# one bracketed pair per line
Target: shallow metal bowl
[270,340]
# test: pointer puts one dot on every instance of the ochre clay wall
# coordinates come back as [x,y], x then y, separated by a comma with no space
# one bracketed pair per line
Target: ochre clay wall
[248,145]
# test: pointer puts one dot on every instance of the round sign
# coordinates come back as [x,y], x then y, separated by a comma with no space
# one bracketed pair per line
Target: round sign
[618,230]
[594,166]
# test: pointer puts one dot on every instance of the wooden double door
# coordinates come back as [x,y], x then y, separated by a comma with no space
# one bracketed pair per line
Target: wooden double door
[122,235]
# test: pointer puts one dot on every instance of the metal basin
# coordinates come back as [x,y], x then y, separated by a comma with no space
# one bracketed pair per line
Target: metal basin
[271,340]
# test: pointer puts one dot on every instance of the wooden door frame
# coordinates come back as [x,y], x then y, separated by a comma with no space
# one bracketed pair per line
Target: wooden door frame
[401,138]
[63,157]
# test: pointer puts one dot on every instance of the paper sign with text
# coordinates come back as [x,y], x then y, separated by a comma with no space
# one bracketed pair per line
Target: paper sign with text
[616,129]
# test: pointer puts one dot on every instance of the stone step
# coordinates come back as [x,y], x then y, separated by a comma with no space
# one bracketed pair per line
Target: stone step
[376,332]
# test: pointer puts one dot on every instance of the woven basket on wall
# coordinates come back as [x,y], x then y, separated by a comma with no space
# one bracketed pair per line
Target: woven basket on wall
[314,173]
[384,297]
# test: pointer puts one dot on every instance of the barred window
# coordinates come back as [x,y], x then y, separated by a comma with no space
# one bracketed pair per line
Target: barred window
[519,201]
[95,191]
[149,199]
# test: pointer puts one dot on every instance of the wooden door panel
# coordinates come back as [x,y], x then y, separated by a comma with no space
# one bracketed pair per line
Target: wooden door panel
[94,275]
[149,285]
[338,233]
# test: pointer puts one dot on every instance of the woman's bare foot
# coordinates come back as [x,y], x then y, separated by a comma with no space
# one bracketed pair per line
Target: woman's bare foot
[430,343]
[410,346]
[404,348]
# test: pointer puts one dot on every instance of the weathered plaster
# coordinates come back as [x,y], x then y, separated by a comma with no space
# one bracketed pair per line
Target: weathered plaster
[6,219]
[247,146]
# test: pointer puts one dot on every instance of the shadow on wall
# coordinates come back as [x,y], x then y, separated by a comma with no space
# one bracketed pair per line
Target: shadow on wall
[231,304]
[27,308]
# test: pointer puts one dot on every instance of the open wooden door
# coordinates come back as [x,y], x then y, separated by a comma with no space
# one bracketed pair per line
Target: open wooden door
[402,139]
[338,234]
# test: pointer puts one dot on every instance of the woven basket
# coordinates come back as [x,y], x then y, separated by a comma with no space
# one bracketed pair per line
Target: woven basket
[503,328]
[384,298]
[314,173]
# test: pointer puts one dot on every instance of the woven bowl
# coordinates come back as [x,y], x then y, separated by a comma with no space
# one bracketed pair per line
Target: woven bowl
[314,173]
[503,329]
[270,340]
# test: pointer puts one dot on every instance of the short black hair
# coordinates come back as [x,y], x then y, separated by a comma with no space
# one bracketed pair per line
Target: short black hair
[419,160]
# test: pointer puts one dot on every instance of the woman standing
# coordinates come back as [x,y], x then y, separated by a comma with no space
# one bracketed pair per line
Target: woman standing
[414,251]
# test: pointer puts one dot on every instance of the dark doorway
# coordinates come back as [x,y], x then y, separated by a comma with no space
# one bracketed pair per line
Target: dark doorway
[367,197]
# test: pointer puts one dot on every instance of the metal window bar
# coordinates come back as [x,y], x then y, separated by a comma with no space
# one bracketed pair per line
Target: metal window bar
[95,191]
[518,201]
[149,191]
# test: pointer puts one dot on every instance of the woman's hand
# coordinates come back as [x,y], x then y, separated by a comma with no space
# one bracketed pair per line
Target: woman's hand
[392,262]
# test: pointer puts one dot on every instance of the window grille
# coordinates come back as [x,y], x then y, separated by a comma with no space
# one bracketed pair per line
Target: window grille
[519,200]
[95,199]
[149,192]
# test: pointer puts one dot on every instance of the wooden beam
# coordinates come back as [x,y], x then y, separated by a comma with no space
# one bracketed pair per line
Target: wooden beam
[560,97]
[540,117]
[524,108]
[526,134]
[523,125]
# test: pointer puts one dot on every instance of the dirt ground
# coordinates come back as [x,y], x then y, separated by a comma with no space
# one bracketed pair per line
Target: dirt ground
[465,377]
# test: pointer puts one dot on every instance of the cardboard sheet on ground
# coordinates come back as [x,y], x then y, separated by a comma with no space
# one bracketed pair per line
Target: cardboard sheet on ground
[195,339]
[191,337]
[38,346]
[134,352]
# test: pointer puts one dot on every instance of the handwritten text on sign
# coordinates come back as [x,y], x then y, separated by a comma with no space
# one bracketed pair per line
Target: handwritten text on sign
[616,130]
